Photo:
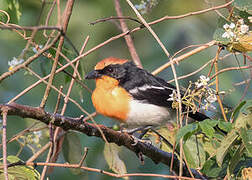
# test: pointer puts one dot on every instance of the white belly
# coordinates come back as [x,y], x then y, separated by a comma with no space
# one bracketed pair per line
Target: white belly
[142,114]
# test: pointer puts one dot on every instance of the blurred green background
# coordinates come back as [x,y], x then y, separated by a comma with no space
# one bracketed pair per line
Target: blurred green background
[175,34]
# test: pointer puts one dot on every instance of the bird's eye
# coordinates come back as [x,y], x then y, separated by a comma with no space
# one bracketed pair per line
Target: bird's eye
[110,70]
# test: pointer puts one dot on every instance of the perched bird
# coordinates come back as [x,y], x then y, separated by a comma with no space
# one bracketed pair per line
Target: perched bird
[132,95]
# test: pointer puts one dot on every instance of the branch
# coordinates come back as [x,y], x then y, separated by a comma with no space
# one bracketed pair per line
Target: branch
[5,112]
[30,28]
[112,18]
[77,166]
[128,39]
[77,124]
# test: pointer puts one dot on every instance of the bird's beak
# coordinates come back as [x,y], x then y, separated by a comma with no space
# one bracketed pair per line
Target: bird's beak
[93,75]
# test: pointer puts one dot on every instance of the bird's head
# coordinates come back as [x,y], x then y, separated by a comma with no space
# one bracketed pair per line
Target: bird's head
[110,68]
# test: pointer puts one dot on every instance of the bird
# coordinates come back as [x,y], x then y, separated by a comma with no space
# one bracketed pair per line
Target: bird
[132,95]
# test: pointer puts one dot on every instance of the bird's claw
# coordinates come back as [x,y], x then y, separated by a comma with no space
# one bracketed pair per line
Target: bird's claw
[137,140]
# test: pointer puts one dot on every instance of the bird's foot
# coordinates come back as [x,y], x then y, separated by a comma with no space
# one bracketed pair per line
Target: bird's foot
[137,140]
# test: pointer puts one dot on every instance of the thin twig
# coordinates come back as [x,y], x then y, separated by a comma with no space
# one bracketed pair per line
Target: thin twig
[185,48]
[78,80]
[191,13]
[28,61]
[247,87]
[38,153]
[52,131]
[52,127]
[200,69]
[58,130]
[217,84]
[230,69]
[242,82]
[184,56]
[58,100]
[67,14]
[49,56]
[83,157]
[49,16]
[30,28]
[42,79]
[115,17]
[15,137]
[47,160]
[74,76]
[99,170]
[127,38]
[4,138]
[186,163]
[192,73]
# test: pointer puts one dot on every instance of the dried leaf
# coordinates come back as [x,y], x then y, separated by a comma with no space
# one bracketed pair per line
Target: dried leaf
[111,154]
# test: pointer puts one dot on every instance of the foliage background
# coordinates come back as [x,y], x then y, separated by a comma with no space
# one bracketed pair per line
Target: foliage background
[175,34]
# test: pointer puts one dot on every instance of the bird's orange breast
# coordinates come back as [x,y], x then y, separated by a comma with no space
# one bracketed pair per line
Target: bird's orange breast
[111,100]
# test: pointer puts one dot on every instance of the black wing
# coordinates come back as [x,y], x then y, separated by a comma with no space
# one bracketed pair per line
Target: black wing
[143,86]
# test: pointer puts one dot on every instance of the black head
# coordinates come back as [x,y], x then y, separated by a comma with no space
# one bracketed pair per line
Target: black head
[114,70]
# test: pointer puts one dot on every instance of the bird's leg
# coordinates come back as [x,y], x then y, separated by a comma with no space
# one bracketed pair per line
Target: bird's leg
[164,139]
[132,131]
[143,130]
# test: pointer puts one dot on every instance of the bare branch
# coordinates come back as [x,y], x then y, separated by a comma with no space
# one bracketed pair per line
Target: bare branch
[128,38]
[20,163]
[67,14]
[114,17]
[4,111]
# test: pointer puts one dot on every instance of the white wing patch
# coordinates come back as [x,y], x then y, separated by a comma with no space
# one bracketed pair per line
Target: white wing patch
[133,91]
[157,87]
[144,88]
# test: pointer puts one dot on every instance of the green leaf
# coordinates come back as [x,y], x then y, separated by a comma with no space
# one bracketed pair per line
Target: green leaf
[212,122]
[243,120]
[235,159]
[211,169]
[209,148]
[13,159]
[186,131]
[237,109]
[72,150]
[20,172]
[218,137]
[246,136]
[248,101]
[215,143]
[111,154]
[243,5]
[194,152]
[225,146]
[225,126]
[207,127]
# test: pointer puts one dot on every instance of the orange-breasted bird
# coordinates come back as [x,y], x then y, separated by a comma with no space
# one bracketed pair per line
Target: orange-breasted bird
[132,95]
